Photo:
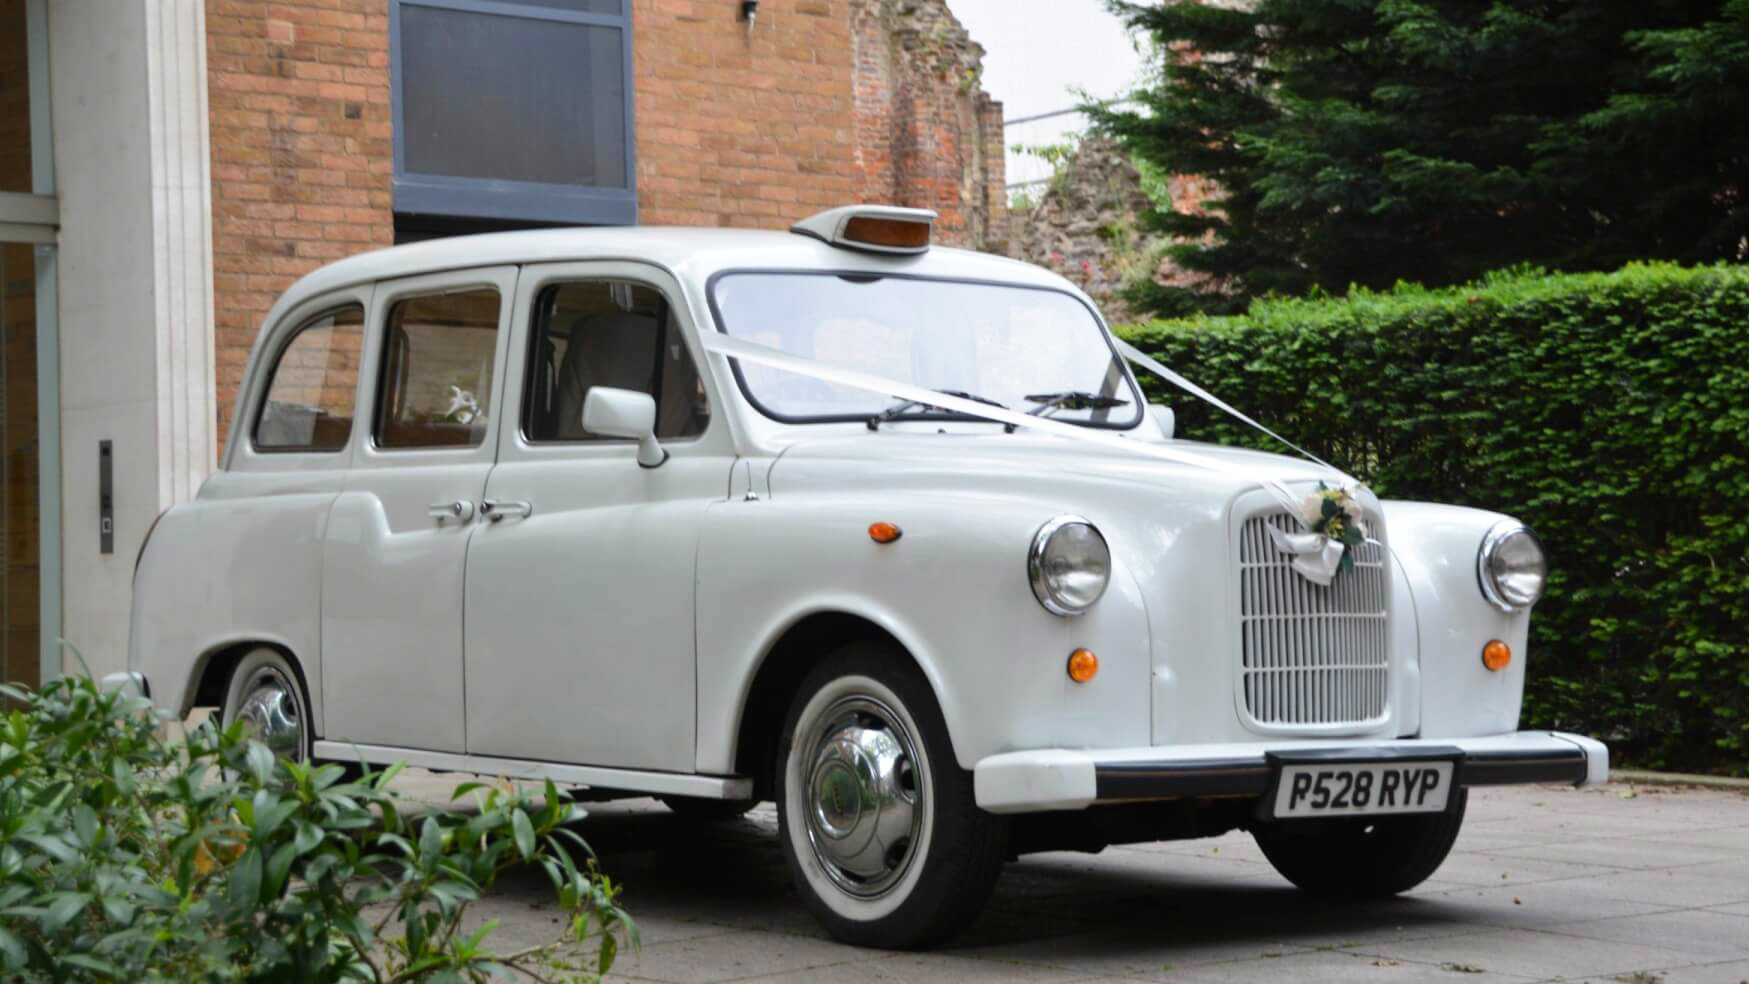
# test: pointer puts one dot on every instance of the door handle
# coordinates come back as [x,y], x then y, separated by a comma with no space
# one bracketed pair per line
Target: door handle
[461,510]
[496,509]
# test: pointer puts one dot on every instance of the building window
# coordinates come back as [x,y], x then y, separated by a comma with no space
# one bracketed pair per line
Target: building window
[513,111]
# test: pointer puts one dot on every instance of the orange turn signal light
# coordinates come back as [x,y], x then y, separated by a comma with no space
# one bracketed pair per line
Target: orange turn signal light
[1496,655]
[884,532]
[1083,665]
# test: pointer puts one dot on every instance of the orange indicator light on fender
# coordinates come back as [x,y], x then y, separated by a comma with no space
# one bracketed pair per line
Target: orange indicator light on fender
[884,532]
[1083,665]
[1496,655]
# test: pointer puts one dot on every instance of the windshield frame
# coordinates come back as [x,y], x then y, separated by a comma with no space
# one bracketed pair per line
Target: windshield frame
[1137,399]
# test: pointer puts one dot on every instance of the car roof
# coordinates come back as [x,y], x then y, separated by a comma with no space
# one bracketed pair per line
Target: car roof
[690,253]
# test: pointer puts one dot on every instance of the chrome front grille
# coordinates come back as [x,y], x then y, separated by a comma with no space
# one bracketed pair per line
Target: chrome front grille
[1311,656]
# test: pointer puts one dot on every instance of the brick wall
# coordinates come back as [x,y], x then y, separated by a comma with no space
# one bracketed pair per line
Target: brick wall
[298,95]
[739,128]
[823,103]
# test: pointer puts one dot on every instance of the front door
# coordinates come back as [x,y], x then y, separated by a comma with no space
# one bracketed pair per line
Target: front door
[392,603]
[580,597]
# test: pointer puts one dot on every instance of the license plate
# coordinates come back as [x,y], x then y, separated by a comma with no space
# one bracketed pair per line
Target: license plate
[1362,789]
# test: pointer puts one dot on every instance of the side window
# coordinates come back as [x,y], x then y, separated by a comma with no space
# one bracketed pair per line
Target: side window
[437,371]
[608,333]
[310,396]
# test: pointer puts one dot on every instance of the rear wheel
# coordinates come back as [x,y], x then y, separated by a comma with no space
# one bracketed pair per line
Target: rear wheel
[1365,857]
[877,820]
[264,693]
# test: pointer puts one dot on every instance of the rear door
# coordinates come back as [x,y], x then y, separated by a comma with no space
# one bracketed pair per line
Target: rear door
[397,539]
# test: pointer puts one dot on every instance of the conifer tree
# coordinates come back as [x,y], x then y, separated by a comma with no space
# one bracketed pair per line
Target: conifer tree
[1371,141]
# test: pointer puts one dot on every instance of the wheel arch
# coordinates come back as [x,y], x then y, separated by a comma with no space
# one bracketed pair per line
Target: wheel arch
[212,671]
[804,641]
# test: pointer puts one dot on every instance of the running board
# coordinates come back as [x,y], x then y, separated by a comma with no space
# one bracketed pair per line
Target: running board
[599,777]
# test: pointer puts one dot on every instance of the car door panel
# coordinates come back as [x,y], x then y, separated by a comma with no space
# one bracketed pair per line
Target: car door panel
[393,565]
[579,639]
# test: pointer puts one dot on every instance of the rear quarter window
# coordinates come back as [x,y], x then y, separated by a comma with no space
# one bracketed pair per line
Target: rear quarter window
[310,395]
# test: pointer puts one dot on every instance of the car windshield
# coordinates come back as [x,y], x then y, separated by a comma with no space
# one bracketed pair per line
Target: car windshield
[1021,347]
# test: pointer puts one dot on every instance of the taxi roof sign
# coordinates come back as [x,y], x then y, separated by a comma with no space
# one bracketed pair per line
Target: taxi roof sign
[871,228]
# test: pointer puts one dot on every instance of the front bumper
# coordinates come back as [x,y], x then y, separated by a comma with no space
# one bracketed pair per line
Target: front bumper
[1072,779]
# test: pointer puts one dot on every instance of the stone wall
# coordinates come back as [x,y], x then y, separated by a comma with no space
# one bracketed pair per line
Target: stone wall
[927,135]
[1087,225]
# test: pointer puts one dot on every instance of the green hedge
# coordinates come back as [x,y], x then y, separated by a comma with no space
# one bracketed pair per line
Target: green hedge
[1609,411]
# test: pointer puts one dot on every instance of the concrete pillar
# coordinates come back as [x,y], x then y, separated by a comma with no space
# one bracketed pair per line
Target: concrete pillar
[128,84]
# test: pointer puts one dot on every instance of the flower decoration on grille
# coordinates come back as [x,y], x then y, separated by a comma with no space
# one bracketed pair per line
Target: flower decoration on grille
[1334,513]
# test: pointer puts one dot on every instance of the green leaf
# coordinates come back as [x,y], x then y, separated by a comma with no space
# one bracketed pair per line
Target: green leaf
[524,832]
[260,761]
[92,963]
[63,910]
[305,837]
[244,890]
[12,948]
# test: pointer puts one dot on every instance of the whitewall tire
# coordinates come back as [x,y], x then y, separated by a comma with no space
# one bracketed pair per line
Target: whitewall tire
[267,695]
[877,820]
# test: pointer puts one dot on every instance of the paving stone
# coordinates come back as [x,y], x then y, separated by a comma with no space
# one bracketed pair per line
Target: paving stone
[1537,906]
[1732,972]
[1700,935]
[1342,968]
[1676,888]
[737,955]
[1537,955]
[926,969]
[1140,954]
[1634,852]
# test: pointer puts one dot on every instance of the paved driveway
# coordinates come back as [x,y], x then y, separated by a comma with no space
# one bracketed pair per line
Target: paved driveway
[1596,884]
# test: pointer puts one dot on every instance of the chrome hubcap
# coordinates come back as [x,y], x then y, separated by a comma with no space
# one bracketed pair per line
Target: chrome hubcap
[864,798]
[269,712]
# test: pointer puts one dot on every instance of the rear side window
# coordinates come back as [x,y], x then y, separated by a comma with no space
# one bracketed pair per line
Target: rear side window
[310,398]
[608,333]
[437,371]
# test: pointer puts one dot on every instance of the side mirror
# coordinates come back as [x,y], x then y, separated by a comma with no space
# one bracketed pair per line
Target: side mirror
[1163,417]
[625,413]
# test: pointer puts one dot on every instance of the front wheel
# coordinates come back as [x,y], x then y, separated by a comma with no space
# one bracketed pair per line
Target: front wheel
[877,820]
[1362,858]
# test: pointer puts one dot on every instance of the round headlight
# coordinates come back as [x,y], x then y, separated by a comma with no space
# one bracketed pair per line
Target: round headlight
[1069,565]
[1511,567]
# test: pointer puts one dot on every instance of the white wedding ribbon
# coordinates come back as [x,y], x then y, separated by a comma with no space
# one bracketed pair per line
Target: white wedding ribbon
[1316,557]
[1160,369]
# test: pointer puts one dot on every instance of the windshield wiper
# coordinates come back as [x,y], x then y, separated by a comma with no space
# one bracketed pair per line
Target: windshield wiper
[1071,400]
[908,407]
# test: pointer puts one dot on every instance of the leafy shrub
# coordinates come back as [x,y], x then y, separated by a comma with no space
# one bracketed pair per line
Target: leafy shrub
[1608,411]
[124,856]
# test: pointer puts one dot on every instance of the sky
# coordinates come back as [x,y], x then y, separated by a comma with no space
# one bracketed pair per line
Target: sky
[1036,53]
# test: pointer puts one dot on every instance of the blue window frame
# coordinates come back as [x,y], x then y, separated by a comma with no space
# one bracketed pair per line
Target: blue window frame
[513,110]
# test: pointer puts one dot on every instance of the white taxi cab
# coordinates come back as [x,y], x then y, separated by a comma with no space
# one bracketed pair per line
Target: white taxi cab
[881,532]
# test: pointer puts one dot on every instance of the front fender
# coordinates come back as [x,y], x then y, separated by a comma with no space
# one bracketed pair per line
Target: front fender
[1436,547]
[952,590]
